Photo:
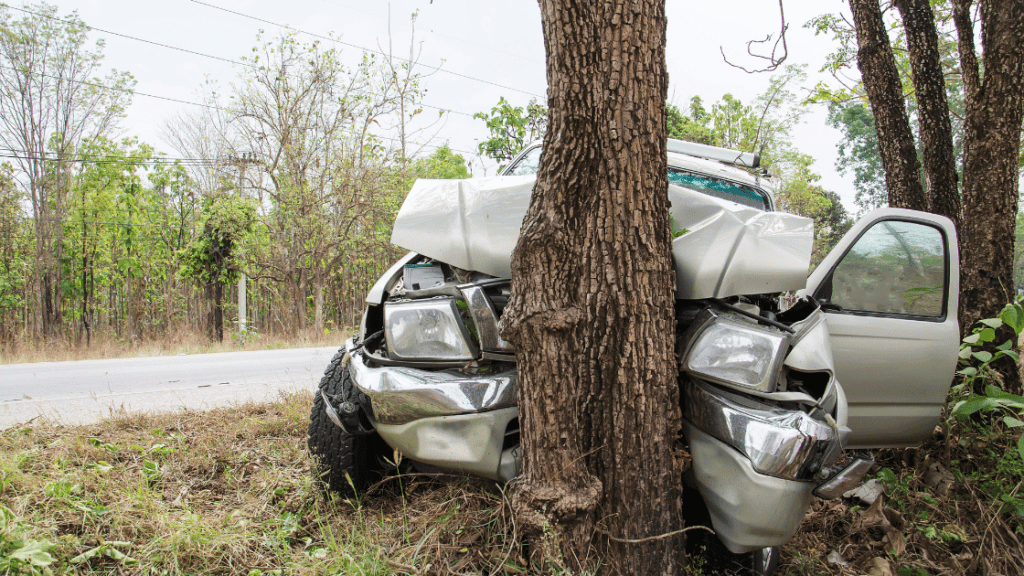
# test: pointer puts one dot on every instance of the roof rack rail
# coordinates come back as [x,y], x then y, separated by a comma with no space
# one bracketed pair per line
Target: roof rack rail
[745,159]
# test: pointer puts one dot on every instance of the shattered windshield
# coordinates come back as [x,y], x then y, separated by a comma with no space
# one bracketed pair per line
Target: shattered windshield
[745,195]
[730,191]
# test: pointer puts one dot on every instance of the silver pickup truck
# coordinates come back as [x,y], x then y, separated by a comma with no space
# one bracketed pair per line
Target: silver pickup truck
[780,373]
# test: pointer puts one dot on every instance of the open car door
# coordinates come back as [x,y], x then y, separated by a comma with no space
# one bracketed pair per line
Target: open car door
[889,290]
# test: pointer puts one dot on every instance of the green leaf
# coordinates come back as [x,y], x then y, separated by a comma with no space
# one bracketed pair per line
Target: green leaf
[1005,345]
[974,404]
[1009,354]
[1013,316]
[965,352]
[991,322]
[1020,447]
[1012,422]
[982,356]
[1005,397]
[971,339]
[987,335]
[34,552]
[969,371]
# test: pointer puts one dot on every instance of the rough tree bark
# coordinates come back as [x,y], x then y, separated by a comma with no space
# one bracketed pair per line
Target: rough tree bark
[592,301]
[885,93]
[995,109]
[932,109]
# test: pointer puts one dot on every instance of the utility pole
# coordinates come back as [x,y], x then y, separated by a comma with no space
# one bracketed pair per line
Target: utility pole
[241,161]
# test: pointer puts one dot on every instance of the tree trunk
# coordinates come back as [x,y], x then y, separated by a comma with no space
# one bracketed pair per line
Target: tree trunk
[932,109]
[991,146]
[318,303]
[592,302]
[218,310]
[885,93]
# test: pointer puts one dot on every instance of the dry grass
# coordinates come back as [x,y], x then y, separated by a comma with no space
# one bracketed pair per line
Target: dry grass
[60,350]
[952,507]
[231,492]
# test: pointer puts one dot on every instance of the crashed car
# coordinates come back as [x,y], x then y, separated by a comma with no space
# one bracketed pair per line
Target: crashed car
[781,374]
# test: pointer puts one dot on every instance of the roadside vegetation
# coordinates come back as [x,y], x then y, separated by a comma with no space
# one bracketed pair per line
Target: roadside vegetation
[169,345]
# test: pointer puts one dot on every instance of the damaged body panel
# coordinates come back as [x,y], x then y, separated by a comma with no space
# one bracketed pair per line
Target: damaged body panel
[726,248]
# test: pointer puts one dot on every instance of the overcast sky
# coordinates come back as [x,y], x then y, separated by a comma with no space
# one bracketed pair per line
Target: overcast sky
[497,44]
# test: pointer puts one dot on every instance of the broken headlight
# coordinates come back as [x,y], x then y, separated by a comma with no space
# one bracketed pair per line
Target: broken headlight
[734,352]
[426,330]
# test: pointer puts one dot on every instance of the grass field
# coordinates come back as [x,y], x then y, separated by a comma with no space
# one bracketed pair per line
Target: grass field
[231,492]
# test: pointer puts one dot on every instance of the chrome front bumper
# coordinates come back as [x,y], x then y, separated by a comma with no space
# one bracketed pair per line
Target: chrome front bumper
[782,443]
[401,394]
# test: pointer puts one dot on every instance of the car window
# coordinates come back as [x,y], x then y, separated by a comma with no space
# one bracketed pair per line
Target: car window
[528,164]
[738,193]
[895,267]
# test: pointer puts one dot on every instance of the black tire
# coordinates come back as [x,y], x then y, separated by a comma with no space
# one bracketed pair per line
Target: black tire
[346,463]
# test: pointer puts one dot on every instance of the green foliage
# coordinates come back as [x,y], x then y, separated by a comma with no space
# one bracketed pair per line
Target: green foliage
[976,370]
[690,128]
[20,553]
[511,128]
[858,152]
[13,257]
[212,256]
[443,164]
[799,194]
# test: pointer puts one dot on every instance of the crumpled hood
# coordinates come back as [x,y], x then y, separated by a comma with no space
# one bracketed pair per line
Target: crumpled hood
[728,248]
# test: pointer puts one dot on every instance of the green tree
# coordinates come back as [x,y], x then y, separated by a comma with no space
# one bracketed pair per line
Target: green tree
[511,128]
[800,194]
[14,255]
[212,259]
[51,100]
[443,163]
[858,152]
[688,128]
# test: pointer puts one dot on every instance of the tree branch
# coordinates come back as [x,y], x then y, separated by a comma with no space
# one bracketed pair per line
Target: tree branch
[773,61]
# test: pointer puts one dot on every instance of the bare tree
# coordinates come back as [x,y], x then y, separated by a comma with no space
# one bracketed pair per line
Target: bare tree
[51,99]
[321,168]
[592,302]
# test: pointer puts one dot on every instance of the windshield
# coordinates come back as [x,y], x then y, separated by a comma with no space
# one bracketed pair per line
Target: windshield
[723,189]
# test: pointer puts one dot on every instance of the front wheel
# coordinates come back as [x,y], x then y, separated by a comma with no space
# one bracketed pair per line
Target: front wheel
[346,463]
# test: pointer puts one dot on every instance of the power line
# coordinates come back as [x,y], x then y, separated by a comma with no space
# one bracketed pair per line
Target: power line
[168,46]
[336,41]
[131,91]
[147,161]
[17,154]
[190,52]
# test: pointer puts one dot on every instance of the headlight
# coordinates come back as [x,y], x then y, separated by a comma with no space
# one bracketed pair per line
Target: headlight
[426,330]
[736,353]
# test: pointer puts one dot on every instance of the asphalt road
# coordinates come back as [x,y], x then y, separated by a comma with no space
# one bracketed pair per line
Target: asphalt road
[85,391]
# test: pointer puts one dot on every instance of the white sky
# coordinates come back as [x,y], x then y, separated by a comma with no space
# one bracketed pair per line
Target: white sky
[500,42]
